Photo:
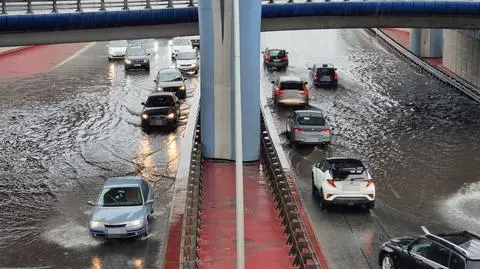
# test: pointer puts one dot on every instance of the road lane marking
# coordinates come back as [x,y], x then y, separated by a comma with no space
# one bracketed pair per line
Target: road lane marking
[73,56]
[394,192]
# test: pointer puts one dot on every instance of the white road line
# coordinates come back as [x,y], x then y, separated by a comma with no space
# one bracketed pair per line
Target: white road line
[394,192]
[71,57]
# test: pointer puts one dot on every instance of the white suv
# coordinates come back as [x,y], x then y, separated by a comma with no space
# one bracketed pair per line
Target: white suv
[343,181]
[180,44]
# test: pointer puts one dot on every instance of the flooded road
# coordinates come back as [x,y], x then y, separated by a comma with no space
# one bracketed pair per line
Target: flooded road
[63,134]
[419,138]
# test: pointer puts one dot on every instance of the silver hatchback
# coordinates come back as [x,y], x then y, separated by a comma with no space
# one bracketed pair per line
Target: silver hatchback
[122,208]
[308,127]
[290,90]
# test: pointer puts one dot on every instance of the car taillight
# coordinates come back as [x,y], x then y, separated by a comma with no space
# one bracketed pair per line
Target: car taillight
[278,92]
[315,77]
[331,182]
[266,58]
[304,92]
[285,58]
[298,130]
[335,77]
[370,182]
[327,131]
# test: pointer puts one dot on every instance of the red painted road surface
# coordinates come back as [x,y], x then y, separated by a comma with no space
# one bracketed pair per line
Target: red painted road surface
[36,59]
[403,38]
[265,244]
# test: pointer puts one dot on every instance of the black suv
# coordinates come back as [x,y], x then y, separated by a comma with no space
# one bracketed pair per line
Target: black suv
[458,250]
[275,58]
[137,57]
[323,75]
[160,109]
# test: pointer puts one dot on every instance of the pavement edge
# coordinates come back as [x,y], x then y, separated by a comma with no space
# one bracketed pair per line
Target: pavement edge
[173,237]
[14,50]
[291,180]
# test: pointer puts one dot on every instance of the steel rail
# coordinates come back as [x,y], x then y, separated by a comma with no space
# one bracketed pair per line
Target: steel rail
[447,78]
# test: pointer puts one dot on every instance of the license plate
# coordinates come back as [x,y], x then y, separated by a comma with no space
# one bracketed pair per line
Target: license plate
[325,78]
[351,203]
[276,60]
[121,230]
[137,65]
[158,122]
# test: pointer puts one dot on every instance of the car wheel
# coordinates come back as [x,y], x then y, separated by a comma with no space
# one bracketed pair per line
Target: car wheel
[371,205]
[146,229]
[387,262]
[323,205]
[183,95]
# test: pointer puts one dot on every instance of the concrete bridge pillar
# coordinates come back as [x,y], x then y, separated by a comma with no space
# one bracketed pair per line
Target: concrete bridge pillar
[217,84]
[426,42]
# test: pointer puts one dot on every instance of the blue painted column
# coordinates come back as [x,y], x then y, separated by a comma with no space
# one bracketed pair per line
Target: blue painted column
[415,41]
[436,43]
[217,85]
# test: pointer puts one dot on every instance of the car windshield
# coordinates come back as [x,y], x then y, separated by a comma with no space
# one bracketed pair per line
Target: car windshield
[137,51]
[181,42]
[187,56]
[159,101]
[348,170]
[169,75]
[311,120]
[291,86]
[325,71]
[276,53]
[121,196]
[119,43]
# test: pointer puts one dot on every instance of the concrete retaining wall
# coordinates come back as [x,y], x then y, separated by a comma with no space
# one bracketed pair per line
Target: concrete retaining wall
[462,55]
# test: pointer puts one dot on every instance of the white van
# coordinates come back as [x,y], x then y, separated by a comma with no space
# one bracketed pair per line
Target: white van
[180,44]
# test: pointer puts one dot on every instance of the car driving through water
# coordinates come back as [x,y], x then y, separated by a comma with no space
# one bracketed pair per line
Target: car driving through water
[180,44]
[187,61]
[343,181]
[117,49]
[122,208]
[160,109]
[323,75]
[289,90]
[308,127]
[136,57]
[171,80]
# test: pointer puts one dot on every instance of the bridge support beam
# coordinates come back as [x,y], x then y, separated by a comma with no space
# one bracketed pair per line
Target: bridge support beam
[217,86]
[426,42]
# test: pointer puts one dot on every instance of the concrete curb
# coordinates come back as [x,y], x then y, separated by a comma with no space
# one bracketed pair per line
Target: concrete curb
[13,50]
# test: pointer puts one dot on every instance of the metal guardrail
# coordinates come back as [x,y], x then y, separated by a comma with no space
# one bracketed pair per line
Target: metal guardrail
[439,74]
[300,245]
[193,206]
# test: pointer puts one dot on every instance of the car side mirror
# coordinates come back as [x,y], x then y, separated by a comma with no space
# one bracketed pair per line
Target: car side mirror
[156,81]
[310,68]
[148,54]
[149,202]
[91,203]
[273,81]
[335,68]
[184,79]
[263,52]
[143,103]
[287,53]
[305,83]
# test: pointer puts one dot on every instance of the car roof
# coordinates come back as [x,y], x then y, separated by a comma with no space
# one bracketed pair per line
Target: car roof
[275,49]
[324,66]
[187,50]
[172,94]
[334,160]
[127,181]
[466,243]
[131,46]
[309,112]
[290,78]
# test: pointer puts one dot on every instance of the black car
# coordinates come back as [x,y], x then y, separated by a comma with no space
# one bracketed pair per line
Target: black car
[323,75]
[275,58]
[171,80]
[457,250]
[136,57]
[160,109]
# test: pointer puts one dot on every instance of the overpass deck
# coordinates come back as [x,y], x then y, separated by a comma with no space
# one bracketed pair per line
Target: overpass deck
[265,242]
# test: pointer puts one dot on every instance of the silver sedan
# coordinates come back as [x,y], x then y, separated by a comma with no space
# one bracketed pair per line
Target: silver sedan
[122,209]
[290,90]
[308,127]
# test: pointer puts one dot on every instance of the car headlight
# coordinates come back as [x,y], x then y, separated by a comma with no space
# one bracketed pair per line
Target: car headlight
[96,224]
[145,60]
[178,66]
[134,223]
[171,116]
[182,88]
[194,65]
[145,116]
[159,89]
[128,61]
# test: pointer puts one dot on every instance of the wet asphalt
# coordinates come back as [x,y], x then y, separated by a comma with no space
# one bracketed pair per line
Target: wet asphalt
[63,134]
[419,138]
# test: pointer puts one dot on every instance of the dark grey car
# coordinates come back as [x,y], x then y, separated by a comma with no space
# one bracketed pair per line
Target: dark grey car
[308,127]
[136,57]
[171,80]
[160,109]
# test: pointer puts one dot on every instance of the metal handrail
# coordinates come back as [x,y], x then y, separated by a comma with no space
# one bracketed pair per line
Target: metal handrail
[301,247]
[439,74]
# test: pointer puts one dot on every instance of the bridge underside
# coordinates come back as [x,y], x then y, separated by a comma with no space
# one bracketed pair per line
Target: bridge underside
[268,24]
